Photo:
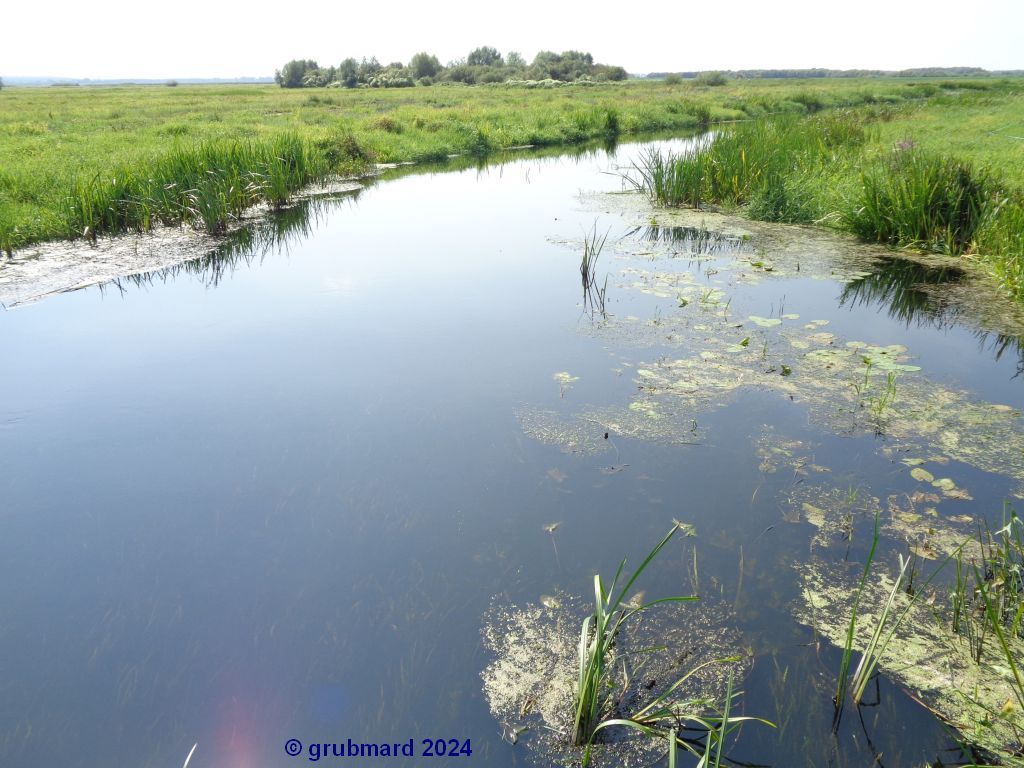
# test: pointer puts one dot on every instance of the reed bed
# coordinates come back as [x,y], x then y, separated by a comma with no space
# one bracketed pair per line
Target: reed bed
[833,169]
[208,185]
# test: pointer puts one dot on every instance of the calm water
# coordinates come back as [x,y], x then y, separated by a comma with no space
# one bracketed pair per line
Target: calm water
[274,498]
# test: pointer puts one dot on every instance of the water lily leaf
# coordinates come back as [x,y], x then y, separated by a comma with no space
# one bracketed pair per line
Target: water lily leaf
[922,475]
[764,322]
[791,316]
[944,484]
[564,377]
[913,462]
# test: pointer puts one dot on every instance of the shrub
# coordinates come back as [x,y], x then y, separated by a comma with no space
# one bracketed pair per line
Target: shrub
[711,79]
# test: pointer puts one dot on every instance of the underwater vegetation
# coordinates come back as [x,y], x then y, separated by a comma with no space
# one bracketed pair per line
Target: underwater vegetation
[617,695]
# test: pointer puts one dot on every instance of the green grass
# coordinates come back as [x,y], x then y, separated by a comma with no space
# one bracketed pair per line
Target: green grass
[78,161]
[887,174]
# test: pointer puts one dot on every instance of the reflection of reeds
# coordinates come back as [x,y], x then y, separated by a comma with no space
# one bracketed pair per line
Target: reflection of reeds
[593,295]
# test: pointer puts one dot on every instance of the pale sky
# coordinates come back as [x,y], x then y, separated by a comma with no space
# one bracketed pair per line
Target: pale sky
[227,38]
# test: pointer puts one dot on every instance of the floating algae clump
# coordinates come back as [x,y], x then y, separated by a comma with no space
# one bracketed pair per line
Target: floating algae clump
[571,434]
[833,511]
[924,655]
[531,682]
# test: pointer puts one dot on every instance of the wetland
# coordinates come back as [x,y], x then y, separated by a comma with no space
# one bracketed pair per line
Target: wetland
[353,470]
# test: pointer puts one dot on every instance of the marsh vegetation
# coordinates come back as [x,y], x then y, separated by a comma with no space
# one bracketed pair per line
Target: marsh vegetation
[85,162]
[354,478]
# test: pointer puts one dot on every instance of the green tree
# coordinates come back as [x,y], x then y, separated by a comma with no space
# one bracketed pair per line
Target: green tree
[424,65]
[516,60]
[292,74]
[485,57]
[348,73]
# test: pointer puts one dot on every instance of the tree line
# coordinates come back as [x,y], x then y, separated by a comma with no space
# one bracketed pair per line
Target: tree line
[809,73]
[482,65]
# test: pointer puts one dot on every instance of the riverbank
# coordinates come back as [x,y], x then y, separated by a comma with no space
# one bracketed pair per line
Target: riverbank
[82,162]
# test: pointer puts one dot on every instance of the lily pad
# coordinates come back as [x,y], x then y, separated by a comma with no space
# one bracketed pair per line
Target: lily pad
[922,475]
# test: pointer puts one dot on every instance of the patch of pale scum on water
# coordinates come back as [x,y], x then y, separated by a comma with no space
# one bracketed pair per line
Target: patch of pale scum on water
[531,680]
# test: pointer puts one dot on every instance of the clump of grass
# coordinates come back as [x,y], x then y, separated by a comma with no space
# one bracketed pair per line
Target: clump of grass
[764,162]
[662,716]
[209,184]
[924,200]
[1001,239]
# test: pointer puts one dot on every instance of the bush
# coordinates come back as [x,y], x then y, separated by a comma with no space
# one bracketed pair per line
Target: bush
[711,79]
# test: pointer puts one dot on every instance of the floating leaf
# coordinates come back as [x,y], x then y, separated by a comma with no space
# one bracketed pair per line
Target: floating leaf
[944,484]
[564,377]
[922,475]
[957,493]
[764,322]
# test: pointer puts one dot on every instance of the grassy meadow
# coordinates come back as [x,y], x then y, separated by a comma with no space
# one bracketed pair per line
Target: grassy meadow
[79,162]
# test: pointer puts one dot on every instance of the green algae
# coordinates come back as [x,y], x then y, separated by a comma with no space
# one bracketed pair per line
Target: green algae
[923,655]
[708,352]
[832,511]
[571,435]
[531,679]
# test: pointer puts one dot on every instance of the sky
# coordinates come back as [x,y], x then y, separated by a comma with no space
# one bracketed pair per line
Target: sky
[227,38]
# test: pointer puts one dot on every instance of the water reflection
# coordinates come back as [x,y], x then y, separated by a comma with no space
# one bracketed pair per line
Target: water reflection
[692,241]
[898,284]
[904,288]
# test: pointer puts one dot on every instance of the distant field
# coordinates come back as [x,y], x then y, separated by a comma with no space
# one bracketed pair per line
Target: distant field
[78,161]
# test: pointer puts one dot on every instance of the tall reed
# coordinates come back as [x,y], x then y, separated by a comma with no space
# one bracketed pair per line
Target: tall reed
[924,200]
[209,185]
[596,689]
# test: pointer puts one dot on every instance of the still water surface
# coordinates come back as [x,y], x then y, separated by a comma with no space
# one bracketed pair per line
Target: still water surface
[274,496]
